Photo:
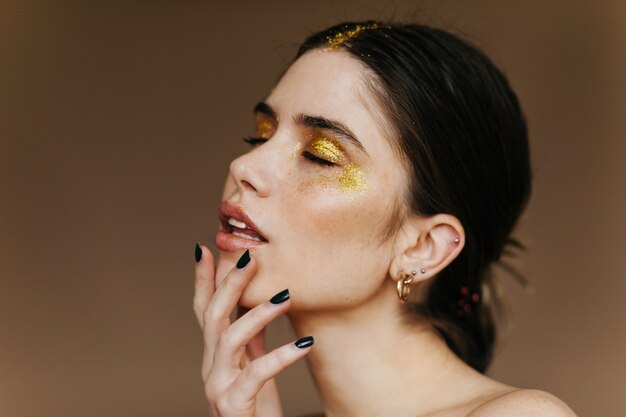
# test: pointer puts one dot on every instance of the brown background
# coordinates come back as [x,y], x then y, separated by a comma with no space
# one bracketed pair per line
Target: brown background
[117,124]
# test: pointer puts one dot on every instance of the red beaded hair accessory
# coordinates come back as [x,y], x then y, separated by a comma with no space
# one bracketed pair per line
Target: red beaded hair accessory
[466,301]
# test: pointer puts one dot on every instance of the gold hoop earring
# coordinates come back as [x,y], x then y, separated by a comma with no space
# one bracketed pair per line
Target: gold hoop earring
[403,286]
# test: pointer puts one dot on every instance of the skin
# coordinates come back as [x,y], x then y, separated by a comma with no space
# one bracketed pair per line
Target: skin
[325,247]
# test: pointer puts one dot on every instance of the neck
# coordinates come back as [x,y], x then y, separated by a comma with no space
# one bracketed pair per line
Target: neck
[367,361]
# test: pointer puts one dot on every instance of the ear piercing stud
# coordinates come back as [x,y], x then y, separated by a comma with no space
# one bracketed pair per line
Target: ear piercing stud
[456,240]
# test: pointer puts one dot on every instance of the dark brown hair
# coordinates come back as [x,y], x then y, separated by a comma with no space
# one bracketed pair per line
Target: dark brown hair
[463,136]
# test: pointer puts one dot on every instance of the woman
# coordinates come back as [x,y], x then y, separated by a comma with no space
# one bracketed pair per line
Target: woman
[388,168]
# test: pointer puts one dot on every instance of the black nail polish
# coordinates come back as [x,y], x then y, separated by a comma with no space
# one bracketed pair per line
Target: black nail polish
[243,261]
[198,252]
[281,297]
[304,342]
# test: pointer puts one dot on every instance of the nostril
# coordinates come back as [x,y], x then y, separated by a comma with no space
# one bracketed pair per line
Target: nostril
[246,184]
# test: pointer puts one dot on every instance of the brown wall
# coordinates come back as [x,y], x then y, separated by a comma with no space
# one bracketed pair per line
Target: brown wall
[117,124]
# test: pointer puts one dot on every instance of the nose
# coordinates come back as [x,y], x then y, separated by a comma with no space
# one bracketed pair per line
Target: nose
[250,173]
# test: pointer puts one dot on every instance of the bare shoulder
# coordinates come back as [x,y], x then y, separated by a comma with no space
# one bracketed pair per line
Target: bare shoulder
[523,403]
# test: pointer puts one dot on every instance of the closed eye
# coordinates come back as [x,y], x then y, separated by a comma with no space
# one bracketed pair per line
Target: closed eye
[308,155]
[254,141]
[316,159]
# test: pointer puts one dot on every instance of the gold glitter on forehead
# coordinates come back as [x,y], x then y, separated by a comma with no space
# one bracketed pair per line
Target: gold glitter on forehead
[328,149]
[340,38]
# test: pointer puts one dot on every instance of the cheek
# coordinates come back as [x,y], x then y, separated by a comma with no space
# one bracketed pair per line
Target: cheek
[328,214]
[326,249]
[340,205]
[329,252]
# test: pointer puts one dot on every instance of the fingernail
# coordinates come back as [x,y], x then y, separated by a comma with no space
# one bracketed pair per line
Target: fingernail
[304,342]
[281,297]
[243,261]
[198,252]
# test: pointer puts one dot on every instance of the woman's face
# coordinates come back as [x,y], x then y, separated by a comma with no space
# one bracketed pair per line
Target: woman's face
[323,222]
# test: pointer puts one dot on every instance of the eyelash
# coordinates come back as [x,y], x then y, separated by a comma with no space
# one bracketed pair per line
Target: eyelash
[308,155]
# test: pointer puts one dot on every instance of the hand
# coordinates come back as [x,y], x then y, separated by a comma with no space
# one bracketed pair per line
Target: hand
[237,372]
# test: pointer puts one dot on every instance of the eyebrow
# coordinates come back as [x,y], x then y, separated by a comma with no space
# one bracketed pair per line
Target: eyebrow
[317,122]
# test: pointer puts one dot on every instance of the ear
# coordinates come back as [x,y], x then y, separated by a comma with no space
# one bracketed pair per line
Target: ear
[427,245]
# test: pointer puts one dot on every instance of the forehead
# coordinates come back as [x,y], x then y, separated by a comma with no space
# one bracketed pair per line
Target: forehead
[330,78]
[330,84]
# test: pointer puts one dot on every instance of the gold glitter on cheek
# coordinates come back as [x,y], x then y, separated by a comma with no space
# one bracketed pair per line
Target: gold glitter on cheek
[351,181]
[325,148]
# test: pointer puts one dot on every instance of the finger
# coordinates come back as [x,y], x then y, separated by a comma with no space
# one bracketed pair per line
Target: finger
[229,291]
[205,281]
[233,340]
[256,345]
[217,314]
[259,371]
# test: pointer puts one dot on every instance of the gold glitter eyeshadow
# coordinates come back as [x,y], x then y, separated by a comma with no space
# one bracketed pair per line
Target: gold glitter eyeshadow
[340,38]
[328,149]
[264,129]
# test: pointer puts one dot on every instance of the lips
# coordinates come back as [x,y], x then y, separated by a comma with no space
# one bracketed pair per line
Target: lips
[235,237]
